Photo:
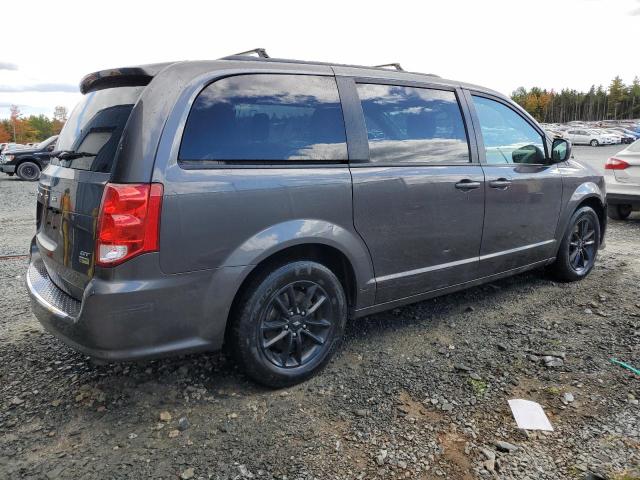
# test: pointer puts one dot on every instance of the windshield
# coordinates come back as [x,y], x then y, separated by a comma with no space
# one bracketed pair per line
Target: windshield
[95,127]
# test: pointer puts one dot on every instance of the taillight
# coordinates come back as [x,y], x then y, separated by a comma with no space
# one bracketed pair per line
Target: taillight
[128,222]
[615,164]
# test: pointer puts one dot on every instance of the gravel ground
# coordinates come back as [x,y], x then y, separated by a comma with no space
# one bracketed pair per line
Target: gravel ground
[418,392]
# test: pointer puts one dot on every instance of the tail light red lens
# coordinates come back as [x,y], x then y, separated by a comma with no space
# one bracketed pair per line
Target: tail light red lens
[128,222]
[615,164]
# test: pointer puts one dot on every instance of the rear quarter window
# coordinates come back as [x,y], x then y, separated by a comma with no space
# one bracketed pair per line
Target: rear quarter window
[265,117]
[413,125]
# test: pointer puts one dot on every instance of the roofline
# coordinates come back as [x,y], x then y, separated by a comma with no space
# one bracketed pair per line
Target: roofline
[141,75]
[250,58]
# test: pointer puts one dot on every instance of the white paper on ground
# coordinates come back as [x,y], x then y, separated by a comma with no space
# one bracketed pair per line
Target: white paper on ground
[529,415]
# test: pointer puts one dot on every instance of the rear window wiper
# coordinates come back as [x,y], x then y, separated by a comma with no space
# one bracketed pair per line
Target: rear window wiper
[71,155]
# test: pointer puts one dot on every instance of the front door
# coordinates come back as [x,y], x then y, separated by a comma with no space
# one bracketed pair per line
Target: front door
[419,200]
[523,190]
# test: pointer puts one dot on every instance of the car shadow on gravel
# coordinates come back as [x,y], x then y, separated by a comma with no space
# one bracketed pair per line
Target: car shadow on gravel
[429,314]
[217,372]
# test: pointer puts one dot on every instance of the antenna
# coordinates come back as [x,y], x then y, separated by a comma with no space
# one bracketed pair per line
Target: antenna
[394,65]
[260,52]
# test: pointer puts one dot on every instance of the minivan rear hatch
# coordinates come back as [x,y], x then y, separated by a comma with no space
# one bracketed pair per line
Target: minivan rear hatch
[71,188]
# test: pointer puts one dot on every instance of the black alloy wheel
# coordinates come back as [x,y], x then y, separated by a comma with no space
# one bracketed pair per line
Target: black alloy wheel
[579,246]
[582,246]
[296,324]
[287,323]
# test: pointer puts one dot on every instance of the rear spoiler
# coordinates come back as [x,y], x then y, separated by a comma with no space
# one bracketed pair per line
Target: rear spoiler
[121,77]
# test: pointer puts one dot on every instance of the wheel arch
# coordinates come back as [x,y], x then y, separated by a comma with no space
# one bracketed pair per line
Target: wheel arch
[601,211]
[586,194]
[28,159]
[328,255]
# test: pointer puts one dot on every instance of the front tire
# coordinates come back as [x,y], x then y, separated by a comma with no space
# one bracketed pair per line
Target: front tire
[619,212]
[579,247]
[288,323]
[28,171]
[594,143]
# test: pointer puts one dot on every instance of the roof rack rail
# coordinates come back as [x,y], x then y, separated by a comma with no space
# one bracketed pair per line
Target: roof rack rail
[261,52]
[394,65]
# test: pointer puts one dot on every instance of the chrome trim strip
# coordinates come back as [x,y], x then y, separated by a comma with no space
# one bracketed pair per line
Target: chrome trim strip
[518,249]
[418,271]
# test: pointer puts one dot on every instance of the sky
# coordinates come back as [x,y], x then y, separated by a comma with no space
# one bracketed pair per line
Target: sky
[500,44]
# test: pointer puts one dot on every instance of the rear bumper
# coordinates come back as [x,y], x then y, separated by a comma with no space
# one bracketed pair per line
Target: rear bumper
[8,168]
[130,320]
[622,193]
[622,198]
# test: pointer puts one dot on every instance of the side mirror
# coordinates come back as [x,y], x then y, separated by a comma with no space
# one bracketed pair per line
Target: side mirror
[560,150]
[529,154]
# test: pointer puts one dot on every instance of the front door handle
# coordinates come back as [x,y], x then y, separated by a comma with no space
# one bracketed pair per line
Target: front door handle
[500,184]
[466,185]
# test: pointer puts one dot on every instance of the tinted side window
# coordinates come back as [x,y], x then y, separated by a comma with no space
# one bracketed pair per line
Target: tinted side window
[508,138]
[413,125]
[266,117]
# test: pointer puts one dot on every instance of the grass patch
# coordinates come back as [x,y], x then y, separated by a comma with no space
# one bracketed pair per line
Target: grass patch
[552,390]
[479,386]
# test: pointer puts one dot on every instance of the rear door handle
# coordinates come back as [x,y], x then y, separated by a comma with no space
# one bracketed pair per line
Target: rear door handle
[466,185]
[501,183]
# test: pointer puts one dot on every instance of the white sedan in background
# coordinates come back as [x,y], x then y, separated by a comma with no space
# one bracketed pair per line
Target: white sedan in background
[586,136]
[622,176]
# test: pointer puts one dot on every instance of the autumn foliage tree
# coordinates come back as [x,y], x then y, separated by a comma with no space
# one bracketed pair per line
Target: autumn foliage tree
[618,101]
[34,128]
[5,136]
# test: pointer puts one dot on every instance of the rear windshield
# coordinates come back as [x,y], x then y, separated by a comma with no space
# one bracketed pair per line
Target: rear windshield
[95,127]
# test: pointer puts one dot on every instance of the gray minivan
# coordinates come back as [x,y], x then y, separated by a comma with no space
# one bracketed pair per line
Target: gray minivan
[259,203]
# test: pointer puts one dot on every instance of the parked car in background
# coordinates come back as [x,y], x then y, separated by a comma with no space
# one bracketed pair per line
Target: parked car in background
[27,163]
[622,175]
[259,203]
[624,137]
[626,131]
[617,137]
[584,136]
[553,133]
[10,146]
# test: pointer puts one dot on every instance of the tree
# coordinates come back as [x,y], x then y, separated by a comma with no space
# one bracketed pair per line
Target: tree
[59,119]
[14,114]
[5,136]
[617,96]
[618,101]
[634,93]
[42,126]
[60,113]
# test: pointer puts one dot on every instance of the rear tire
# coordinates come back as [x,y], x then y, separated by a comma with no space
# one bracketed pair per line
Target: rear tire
[28,171]
[579,247]
[288,323]
[619,212]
